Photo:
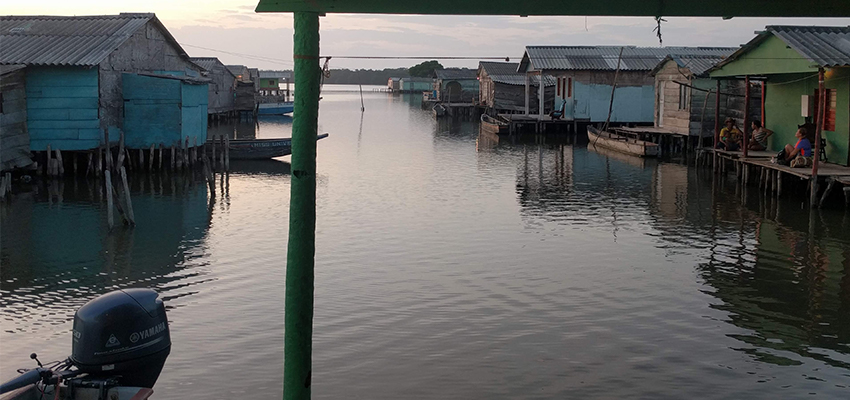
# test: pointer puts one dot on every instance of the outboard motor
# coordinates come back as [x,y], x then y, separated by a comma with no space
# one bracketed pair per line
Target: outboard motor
[122,333]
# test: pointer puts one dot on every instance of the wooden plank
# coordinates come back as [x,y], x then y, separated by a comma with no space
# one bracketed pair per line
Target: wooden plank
[60,125]
[68,91]
[62,103]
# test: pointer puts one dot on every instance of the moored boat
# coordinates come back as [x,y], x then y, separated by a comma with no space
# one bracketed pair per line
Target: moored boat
[275,108]
[493,124]
[261,149]
[623,144]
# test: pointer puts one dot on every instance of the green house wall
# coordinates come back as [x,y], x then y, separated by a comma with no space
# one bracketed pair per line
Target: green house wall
[771,56]
[783,110]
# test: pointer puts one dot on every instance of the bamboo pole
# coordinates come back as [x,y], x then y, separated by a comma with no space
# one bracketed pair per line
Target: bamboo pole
[820,121]
[300,260]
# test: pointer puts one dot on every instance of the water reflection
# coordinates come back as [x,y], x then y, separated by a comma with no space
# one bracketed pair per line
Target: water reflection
[58,251]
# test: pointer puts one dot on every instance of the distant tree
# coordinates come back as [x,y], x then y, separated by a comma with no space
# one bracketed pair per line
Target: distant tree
[425,69]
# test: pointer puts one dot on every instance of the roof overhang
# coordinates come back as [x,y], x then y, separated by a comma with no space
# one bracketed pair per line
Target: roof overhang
[647,8]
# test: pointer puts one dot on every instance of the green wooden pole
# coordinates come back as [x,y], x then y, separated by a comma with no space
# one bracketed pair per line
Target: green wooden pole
[300,258]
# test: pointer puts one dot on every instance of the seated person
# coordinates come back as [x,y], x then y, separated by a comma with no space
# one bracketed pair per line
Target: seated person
[800,155]
[730,136]
[760,135]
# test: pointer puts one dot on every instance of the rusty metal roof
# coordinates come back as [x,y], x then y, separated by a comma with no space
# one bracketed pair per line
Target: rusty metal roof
[60,40]
[828,46]
[602,58]
[506,72]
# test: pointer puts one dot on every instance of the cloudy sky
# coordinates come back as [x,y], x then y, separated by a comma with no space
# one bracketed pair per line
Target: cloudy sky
[233,32]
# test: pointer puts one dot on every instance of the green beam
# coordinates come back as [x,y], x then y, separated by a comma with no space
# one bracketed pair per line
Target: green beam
[645,8]
[300,256]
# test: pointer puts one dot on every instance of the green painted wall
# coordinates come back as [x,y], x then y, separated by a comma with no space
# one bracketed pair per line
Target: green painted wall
[269,83]
[772,56]
[783,110]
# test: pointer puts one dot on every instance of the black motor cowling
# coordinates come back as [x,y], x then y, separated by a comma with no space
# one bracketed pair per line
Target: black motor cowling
[122,333]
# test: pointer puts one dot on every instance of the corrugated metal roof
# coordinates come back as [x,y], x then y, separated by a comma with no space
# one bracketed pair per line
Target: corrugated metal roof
[698,65]
[605,57]
[505,72]
[207,63]
[276,74]
[456,73]
[416,79]
[828,46]
[58,40]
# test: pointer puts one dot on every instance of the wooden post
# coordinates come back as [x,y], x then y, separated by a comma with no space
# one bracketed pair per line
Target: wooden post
[99,170]
[121,151]
[746,114]
[763,93]
[49,163]
[108,182]
[60,165]
[186,161]
[820,121]
[221,144]
[717,116]
[90,164]
[227,153]
[172,158]
[108,153]
[213,153]
[208,174]
[778,184]
[141,159]
[76,161]
[527,94]
[613,90]
[300,256]
[160,156]
[151,157]
[130,215]
[194,149]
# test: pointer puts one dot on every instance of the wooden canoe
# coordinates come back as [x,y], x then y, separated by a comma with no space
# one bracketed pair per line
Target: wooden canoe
[493,124]
[623,144]
[261,149]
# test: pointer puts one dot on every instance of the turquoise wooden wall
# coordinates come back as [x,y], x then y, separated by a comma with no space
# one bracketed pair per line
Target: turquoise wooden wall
[631,103]
[62,108]
[163,111]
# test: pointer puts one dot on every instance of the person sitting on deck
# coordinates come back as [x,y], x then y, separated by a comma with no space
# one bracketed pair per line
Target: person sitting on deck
[800,155]
[760,135]
[730,136]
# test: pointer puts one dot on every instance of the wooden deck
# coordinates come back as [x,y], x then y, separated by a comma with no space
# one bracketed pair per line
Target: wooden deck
[825,170]
[737,155]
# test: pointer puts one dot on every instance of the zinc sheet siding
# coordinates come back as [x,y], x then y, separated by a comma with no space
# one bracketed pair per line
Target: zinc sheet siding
[163,111]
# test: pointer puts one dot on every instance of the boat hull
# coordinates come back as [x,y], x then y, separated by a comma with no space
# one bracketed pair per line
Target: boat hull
[262,149]
[621,144]
[493,125]
[275,108]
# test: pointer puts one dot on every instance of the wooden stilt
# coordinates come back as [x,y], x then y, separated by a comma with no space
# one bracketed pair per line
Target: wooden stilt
[108,182]
[141,159]
[160,156]
[227,153]
[150,158]
[127,201]
[90,164]
[213,153]
[173,166]
[778,184]
[826,192]
[60,166]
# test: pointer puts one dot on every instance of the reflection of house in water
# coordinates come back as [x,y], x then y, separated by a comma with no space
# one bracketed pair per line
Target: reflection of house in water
[791,290]
[84,258]
[670,194]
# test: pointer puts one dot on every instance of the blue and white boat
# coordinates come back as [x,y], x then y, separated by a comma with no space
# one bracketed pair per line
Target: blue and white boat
[276,108]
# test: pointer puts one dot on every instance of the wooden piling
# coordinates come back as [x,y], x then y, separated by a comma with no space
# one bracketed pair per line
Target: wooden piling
[778,184]
[213,153]
[194,150]
[90,163]
[127,201]
[209,175]
[151,156]
[121,151]
[108,182]
[186,161]
[141,159]
[3,184]
[48,163]
[160,156]
[227,153]
[60,166]
[172,158]
[221,144]
[76,161]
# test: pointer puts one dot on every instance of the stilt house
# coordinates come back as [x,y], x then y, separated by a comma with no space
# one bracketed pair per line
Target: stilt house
[586,75]
[222,88]
[75,67]
[502,88]
[685,96]
[788,59]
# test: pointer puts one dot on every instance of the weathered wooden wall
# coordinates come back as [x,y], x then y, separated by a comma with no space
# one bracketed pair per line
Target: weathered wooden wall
[511,98]
[14,137]
[163,111]
[668,115]
[147,50]
[222,90]
[62,108]
[245,96]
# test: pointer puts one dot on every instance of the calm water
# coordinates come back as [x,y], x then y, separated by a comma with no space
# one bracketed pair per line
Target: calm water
[452,265]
